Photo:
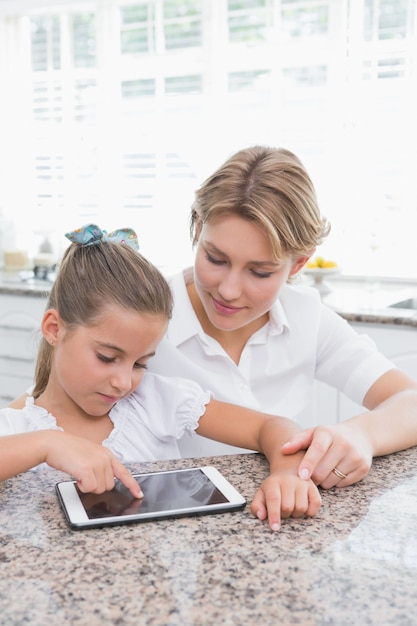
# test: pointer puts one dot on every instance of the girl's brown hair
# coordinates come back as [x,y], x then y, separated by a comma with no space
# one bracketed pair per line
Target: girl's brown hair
[94,276]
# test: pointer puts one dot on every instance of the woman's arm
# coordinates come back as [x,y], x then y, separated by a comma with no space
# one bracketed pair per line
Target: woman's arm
[283,493]
[389,425]
[93,466]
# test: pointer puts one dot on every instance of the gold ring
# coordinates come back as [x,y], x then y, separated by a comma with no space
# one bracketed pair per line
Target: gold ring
[339,473]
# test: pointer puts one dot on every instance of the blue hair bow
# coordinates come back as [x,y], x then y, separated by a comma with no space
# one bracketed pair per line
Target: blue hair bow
[91,234]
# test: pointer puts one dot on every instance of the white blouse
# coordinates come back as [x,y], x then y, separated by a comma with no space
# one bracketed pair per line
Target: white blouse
[303,341]
[147,423]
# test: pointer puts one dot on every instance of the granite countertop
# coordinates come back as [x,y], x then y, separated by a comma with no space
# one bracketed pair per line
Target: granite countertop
[354,563]
[12,284]
[370,301]
[363,301]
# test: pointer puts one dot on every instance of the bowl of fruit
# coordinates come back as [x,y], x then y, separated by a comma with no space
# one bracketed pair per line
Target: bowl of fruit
[319,269]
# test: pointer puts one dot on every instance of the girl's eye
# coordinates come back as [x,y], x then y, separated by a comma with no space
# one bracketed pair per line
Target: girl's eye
[105,359]
[108,359]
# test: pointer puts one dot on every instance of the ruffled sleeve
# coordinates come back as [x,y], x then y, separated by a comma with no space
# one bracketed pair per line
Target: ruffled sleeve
[28,419]
[175,404]
[149,422]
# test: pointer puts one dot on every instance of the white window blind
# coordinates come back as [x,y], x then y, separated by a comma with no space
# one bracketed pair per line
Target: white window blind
[114,111]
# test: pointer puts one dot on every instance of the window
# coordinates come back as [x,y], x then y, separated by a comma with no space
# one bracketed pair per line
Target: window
[114,112]
[248,21]
[182,24]
[306,19]
[137,29]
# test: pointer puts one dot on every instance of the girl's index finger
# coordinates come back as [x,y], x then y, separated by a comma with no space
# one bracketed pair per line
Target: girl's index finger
[126,478]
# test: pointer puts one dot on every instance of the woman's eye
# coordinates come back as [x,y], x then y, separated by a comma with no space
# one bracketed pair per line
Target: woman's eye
[211,259]
[262,274]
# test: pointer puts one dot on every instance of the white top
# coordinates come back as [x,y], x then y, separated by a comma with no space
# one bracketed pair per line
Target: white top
[303,340]
[147,423]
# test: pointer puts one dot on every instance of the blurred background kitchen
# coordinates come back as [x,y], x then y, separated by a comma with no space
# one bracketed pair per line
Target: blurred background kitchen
[114,111]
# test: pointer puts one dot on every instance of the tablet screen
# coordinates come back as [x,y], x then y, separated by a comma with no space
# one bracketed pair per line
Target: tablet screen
[162,492]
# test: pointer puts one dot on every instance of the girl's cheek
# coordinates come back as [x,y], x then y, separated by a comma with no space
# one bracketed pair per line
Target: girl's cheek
[137,376]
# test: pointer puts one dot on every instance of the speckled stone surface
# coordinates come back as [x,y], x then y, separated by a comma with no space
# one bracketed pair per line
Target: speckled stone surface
[357,303]
[354,563]
[23,289]
[370,302]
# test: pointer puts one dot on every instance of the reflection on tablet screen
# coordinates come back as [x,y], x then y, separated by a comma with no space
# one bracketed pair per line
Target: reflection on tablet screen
[162,492]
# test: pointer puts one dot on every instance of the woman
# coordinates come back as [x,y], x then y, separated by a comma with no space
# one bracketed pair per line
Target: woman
[240,329]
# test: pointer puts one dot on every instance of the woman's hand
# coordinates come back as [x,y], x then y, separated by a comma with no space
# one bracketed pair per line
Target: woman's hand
[337,455]
[283,495]
[93,466]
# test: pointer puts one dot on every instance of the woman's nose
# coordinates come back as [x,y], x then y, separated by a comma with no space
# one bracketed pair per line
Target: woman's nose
[230,286]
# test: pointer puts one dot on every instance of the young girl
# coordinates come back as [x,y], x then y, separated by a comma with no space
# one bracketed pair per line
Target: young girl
[93,407]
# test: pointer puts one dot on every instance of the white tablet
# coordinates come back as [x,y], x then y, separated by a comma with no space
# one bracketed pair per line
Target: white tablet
[174,493]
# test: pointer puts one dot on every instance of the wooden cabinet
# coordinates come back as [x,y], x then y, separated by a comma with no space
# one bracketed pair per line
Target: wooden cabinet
[20,318]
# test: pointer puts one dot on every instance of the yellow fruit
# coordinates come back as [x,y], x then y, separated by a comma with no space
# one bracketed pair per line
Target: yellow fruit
[315,262]
[320,262]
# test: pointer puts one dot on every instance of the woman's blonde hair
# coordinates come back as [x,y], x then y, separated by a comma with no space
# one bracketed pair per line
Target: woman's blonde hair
[94,276]
[270,187]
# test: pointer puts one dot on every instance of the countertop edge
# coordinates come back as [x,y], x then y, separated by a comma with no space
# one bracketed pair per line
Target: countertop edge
[383,316]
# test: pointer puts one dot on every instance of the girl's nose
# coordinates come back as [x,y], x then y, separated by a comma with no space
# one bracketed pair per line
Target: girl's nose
[122,380]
